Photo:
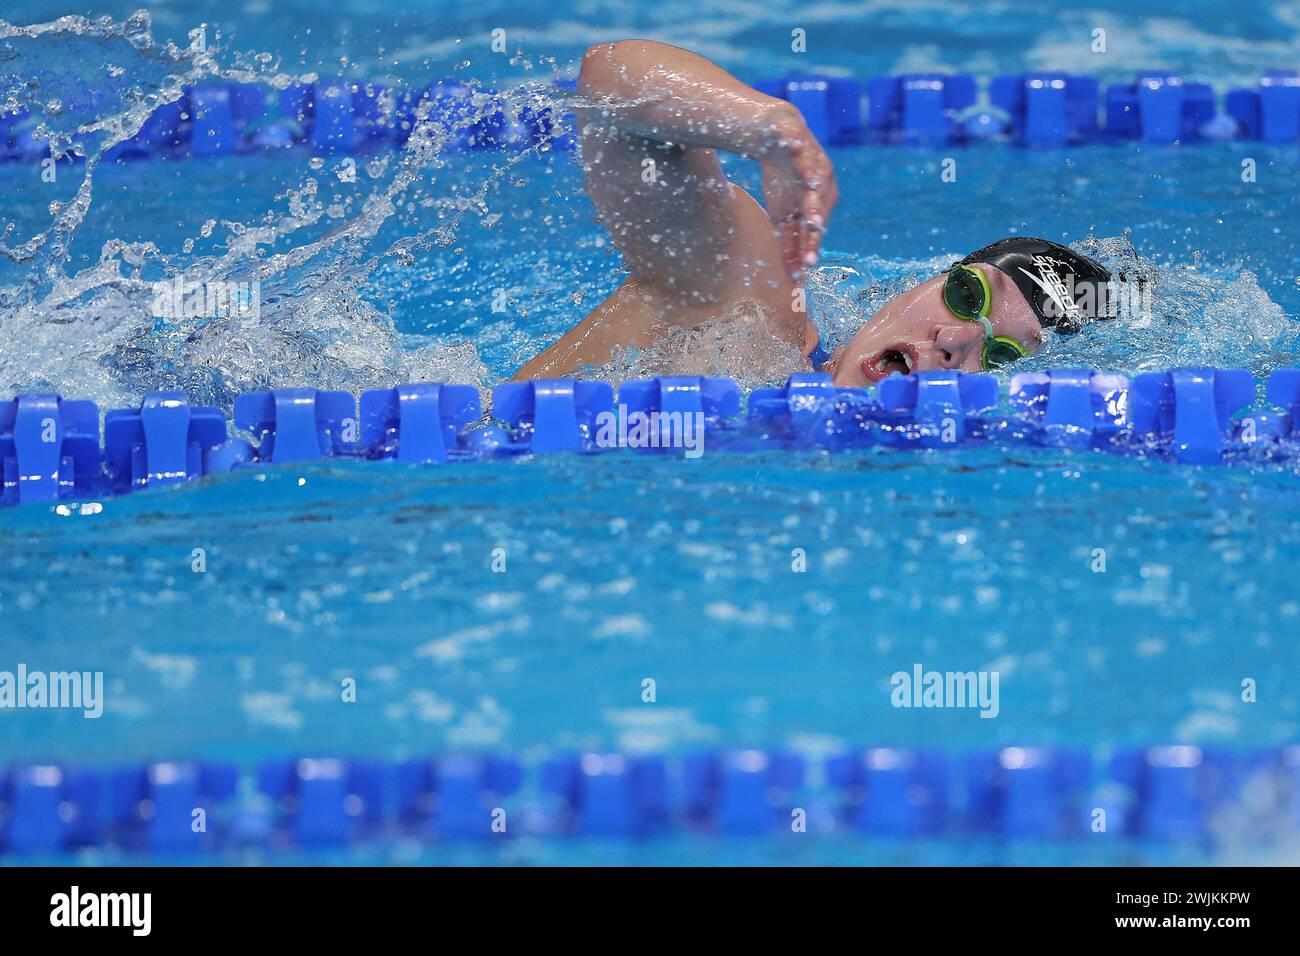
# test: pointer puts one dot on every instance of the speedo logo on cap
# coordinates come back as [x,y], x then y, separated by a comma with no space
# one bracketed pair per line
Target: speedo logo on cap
[1050,281]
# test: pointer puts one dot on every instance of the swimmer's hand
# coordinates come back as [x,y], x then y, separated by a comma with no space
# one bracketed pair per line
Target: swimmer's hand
[799,187]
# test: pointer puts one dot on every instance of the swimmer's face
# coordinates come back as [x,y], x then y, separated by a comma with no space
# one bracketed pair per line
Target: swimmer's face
[915,332]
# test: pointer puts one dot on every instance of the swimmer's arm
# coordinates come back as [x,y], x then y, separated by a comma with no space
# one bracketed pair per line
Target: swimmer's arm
[594,341]
[679,230]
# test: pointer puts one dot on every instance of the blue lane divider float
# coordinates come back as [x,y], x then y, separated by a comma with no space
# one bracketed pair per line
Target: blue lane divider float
[323,802]
[831,105]
[418,423]
[552,414]
[1171,791]
[1159,108]
[48,808]
[609,794]
[161,443]
[893,792]
[935,409]
[1043,109]
[918,109]
[1025,791]
[809,411]
[672,408]
[1047,109]
[1071,406]
[1190,408]
[454,796]
[163,806]
[747,792]
[297,424]
[1163,794]
[717,399]
[1271,111]
[50,451]
[49,447]
[1283,390]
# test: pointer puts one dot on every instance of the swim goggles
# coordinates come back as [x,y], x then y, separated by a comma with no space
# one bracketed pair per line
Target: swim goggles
[967,295]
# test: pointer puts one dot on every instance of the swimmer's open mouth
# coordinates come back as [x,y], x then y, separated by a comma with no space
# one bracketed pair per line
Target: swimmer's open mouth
[900,357]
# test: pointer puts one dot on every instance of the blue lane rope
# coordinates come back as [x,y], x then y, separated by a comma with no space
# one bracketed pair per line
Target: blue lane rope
[1042,109]
[50,448]
[1171,794]
[330,116]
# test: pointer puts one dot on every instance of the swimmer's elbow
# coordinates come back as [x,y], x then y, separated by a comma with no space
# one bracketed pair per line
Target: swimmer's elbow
[596,69]
[604,65]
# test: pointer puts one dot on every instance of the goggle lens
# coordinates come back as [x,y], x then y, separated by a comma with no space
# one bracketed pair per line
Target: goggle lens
[1001,351]
[967,296]
[965,293]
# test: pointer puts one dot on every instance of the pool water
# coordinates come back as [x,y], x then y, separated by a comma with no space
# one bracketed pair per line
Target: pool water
[622,567]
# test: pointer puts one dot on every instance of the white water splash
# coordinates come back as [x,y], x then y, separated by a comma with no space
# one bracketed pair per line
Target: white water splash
[314,255]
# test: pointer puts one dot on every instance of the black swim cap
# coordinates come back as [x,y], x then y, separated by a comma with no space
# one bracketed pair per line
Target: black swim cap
[1063,288]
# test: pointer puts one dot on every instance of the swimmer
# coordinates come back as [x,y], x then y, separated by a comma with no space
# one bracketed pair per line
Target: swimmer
[698,246]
